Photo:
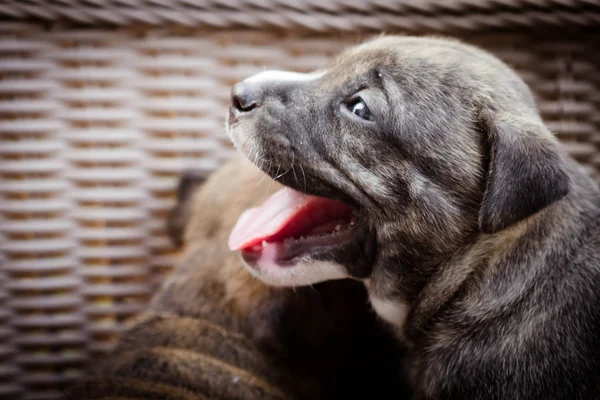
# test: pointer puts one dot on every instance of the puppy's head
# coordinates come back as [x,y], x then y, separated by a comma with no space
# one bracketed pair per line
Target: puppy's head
[400,151]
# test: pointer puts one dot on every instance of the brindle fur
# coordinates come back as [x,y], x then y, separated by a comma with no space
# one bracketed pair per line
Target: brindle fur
[483,227]
[213,331]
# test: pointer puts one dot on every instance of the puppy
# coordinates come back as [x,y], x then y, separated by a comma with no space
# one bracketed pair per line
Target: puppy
[422,167]
[213,330]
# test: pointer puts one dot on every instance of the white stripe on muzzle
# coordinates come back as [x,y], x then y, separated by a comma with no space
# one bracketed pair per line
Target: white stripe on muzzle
[284,76]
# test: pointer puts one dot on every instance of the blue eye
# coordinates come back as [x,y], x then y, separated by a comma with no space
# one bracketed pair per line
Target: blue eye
[358,107]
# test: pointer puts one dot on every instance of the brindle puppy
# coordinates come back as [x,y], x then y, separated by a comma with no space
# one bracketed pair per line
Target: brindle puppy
[214,331]
[441,188]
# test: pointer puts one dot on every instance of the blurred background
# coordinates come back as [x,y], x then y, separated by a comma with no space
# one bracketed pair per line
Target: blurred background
[104,102]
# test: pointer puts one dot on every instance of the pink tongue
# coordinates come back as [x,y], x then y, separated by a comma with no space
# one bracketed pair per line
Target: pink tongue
[257,224]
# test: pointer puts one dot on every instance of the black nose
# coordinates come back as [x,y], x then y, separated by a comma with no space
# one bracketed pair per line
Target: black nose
[246,96]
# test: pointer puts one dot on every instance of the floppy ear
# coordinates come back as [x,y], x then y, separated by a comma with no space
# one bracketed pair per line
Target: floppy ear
[179,215]
[525,172]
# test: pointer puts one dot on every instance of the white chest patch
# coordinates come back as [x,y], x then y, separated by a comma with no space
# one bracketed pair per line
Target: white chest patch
[392,311]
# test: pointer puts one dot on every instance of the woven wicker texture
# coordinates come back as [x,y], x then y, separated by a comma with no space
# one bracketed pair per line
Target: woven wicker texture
[97,124]
[316,15]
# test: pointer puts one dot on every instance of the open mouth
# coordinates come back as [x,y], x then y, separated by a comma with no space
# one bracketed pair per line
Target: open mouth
[291,224]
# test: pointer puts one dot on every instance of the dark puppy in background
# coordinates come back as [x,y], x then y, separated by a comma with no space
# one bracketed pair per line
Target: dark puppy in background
[422,167]
[214,331]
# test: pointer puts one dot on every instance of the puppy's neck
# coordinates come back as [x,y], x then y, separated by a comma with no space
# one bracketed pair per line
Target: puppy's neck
[438,281]
[446,282]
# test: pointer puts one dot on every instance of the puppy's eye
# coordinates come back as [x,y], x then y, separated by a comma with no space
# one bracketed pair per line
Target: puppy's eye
[358,107]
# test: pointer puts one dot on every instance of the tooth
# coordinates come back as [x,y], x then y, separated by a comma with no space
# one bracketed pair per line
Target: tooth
[338,228]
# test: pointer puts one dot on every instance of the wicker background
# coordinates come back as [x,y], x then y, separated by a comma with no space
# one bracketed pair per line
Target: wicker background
[97,122]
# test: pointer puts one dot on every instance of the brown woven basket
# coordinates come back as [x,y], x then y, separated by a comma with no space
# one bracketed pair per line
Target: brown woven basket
[104,103]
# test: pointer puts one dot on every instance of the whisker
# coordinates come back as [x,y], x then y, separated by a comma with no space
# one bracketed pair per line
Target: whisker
[304,176]
[250,150]
[260,162]
[265,175]
[294,170]
[282,174]
[270,183]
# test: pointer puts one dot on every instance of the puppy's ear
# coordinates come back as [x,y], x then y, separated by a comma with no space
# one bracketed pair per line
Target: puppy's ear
[179,216]
[525,171]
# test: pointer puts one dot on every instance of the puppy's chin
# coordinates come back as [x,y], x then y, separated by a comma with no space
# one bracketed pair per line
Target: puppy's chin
[301,272]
